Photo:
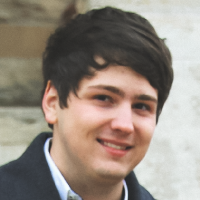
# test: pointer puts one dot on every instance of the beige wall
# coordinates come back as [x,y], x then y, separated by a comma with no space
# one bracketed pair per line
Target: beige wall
[23,41]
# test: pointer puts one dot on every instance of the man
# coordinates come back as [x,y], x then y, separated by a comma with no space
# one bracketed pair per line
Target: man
[107,76]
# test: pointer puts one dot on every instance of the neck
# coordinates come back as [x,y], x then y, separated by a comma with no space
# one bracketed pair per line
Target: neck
[96,191]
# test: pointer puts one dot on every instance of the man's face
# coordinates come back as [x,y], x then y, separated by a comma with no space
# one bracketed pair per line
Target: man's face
[106,129]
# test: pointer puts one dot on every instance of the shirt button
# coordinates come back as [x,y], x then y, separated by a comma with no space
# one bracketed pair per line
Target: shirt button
[72,196]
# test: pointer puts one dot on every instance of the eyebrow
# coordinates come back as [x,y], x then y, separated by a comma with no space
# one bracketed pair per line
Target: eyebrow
[117,91]
[109,88]
[145,97]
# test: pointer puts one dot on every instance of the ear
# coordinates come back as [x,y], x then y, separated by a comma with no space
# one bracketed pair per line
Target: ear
[50,103]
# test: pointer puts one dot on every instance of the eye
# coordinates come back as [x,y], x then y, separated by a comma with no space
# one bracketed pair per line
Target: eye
[141,106]
[103,98]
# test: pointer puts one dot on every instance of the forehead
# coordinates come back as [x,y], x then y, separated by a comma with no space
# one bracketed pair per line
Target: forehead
[121,77]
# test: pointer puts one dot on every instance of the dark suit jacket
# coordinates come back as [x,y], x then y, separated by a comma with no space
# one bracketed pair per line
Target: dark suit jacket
[29,177]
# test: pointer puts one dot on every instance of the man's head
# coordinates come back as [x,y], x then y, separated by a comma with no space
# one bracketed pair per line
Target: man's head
[106,78]
[119,38]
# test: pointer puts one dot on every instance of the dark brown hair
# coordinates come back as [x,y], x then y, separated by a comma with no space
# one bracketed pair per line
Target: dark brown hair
[119,37]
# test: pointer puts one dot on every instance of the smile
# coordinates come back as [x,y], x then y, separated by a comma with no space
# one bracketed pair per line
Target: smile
[114,146]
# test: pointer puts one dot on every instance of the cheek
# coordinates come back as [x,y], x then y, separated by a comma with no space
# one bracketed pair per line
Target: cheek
[145,130]
[81,125]
[90,116]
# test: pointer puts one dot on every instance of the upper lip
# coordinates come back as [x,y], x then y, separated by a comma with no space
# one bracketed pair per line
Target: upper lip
[116,142]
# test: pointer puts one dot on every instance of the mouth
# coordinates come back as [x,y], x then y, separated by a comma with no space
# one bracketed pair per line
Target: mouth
[114,146]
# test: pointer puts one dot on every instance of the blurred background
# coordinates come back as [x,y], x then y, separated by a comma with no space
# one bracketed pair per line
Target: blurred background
[171,168]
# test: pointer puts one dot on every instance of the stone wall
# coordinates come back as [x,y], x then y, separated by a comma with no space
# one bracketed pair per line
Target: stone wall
[35,12]
[25,26]
[171,168]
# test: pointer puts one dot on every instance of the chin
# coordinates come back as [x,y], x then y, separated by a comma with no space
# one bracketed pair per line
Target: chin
[113,174]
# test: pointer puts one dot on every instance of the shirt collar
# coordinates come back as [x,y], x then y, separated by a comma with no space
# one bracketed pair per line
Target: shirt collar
[62,186]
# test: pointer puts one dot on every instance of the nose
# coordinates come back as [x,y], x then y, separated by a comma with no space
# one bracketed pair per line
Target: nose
[123,120]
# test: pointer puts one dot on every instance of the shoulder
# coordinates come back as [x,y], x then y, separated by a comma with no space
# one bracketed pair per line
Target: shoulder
[23,174]
[135,190]
[10,175]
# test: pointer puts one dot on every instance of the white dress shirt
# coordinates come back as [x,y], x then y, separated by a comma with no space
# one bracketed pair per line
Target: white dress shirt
[62,186]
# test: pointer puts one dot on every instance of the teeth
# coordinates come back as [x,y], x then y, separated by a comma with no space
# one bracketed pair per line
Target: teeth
[114,146]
